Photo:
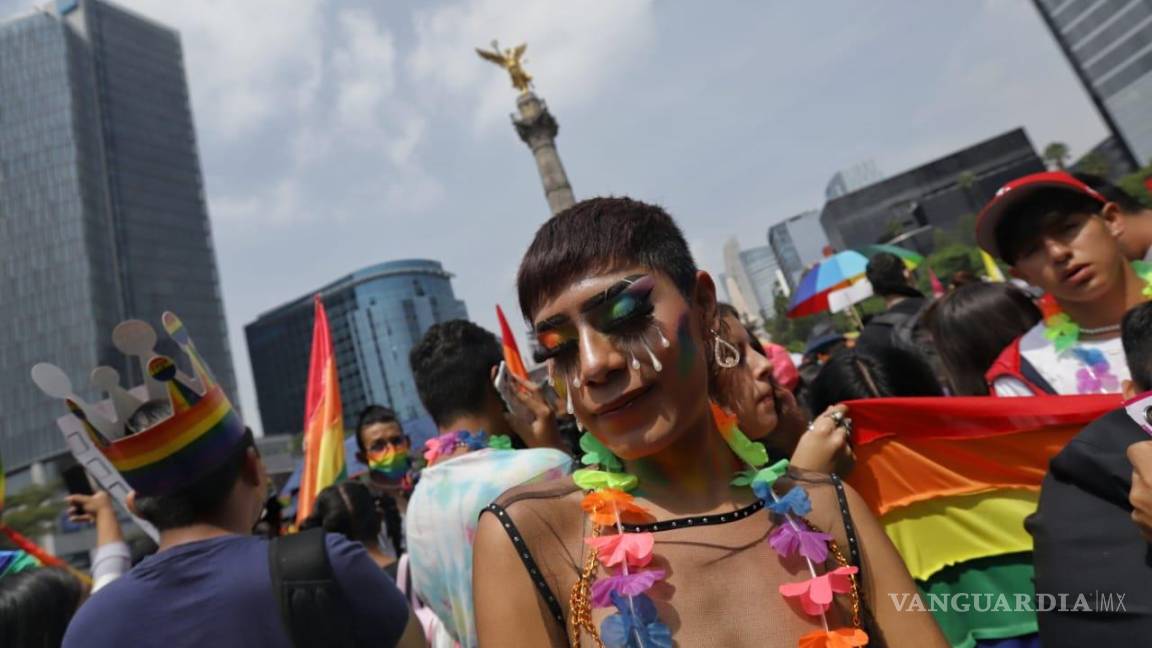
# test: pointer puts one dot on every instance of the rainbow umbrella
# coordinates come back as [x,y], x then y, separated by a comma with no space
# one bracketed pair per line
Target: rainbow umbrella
[833,273]
[910,258]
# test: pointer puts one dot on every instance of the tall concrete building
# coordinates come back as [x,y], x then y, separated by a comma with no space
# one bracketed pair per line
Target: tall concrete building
[376,315]
[798,242]
[943,195]
[853,178]
[102,210]
[1109,45]
[750,278]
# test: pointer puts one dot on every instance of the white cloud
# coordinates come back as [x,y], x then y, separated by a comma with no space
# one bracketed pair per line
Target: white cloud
[243,58]
[363,69]
[573,48]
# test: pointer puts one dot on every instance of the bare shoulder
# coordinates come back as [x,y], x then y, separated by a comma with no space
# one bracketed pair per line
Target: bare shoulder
[547,515]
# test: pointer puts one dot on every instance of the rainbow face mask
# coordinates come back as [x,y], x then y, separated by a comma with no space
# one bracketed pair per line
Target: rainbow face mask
[389,462]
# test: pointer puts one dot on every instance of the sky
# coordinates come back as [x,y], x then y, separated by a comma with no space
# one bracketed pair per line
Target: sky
[335,134]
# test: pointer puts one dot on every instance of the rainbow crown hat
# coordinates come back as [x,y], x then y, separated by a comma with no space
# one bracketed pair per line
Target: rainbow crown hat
[201,432]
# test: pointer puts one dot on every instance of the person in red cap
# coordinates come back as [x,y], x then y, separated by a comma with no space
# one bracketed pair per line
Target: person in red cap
[1056,233]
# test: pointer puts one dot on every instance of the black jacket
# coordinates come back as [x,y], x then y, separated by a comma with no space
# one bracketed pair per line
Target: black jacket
[1086,542]
[878,331]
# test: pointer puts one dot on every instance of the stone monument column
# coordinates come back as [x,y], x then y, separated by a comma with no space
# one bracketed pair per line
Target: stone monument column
[538,128]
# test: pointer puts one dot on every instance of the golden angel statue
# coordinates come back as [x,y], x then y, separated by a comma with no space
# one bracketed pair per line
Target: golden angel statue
[510,59]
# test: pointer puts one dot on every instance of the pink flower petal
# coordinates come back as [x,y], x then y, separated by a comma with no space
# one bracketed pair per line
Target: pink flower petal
[635,548]
[815,594]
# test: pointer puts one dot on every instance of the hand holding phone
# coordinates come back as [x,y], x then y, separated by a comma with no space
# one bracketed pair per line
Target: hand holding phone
[76,481]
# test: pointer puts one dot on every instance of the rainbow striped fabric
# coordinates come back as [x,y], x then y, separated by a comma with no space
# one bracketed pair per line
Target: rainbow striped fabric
[175,452]
[952,480]
[323,419]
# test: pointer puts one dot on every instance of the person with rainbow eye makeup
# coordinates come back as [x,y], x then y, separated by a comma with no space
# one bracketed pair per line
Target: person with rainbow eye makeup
[680,529]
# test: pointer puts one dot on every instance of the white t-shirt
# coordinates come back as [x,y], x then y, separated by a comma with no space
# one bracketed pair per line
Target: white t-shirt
[1060,369]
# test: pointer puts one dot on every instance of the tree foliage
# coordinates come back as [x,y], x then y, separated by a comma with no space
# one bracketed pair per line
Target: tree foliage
[1134,184]
[1056,155]
[34,510]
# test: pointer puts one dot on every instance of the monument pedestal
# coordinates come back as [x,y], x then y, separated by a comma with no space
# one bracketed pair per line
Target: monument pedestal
[538,128]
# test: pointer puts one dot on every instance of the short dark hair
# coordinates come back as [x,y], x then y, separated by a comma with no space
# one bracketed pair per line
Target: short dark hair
[972,325]
[878,372]
[1136,335]
[200,499]
[885,271]
[372,415]
[36,606]
[602,234]
[1043,208]
[1124,200]
[346,508]
[452,366]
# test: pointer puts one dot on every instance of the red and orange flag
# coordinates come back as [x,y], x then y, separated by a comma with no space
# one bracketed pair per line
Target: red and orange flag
[323,419]
[512,358]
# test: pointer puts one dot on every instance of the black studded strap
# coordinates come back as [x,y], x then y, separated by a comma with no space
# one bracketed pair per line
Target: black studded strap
[529,562]
[849,528]
[702,520]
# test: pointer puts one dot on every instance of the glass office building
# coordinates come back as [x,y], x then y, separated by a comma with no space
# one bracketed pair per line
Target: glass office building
[798,242]
[375,315]
[102,209]
[1109,45]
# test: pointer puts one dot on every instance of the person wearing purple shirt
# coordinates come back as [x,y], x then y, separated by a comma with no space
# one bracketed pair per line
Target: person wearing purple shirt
[210,582]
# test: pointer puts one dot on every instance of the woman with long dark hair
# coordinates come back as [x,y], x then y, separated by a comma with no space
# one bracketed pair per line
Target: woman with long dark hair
[971,326]
[36,604]
[661,539]
[349,509]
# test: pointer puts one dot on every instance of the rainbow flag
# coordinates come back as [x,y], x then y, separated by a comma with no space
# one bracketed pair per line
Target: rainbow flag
[512,356]
[323,419]
[952,479]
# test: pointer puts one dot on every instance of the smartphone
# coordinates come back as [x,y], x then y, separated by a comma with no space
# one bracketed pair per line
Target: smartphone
[76,481]
[504,386]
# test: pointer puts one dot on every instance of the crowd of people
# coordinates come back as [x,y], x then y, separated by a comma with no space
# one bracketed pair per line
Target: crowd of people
[674,480]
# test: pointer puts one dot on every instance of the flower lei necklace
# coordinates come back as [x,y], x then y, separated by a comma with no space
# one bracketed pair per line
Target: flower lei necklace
[449,442]
[627,556]
[1096,375]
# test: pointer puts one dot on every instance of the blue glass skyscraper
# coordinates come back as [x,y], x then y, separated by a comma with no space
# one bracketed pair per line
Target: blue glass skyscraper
[102,209]
[376,315]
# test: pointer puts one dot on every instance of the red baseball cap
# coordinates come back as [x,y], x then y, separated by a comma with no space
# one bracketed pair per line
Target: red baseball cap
[1016,193]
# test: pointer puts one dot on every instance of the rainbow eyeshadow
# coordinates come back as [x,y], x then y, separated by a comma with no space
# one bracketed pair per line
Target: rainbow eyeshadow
[550,340]
[622,302]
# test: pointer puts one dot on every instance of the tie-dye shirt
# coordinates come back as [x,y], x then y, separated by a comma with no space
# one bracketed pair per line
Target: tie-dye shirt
[442,517]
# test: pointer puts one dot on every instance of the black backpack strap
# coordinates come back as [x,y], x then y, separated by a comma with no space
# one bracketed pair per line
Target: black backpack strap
[311,604]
